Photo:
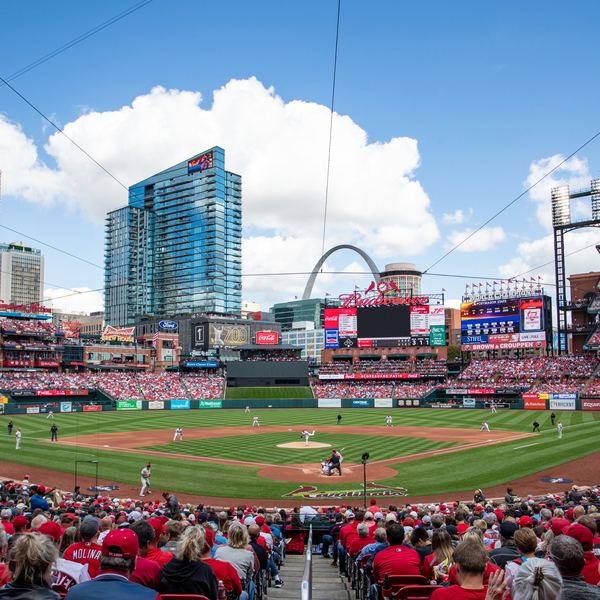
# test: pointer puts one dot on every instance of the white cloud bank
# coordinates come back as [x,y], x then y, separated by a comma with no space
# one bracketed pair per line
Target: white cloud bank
[279,148]
[485,239]
[69,301]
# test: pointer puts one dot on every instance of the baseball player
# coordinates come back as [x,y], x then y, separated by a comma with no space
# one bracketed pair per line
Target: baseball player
[334,451]
[247,409]
[536,425]
[559,430]
[178,434]
[145,480]
[484,425]
[50,414]
[388,421]
[18,436]
[307,434]
[493,407]
[54,430]
[255,421]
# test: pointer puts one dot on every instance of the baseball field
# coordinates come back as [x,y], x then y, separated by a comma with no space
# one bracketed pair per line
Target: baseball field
[427,453]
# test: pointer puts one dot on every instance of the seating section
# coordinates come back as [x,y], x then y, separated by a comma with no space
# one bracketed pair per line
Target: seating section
[161,386]
[204,387]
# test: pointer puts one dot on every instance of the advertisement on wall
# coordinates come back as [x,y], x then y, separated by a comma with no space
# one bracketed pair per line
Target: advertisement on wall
[156,405]
[210,404]
[228,334]
[267,337]
[330,403]
[332,338]
[180,404]
[364,403]
[33,410]
[129,405]
[66,406]
[590,404]
[111,334]
[61,393]
[92,408]
[562,404]
[383,403]
[534,403]
[202,364]
[469,402]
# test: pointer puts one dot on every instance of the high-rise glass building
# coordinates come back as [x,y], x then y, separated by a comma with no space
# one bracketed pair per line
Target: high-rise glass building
[176,248]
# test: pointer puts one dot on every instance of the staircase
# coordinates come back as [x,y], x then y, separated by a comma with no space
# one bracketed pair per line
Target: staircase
[327,584]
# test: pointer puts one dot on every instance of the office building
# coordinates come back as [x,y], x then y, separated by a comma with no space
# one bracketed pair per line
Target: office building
[403,279]
[176,248]
[313,310]
[21,274]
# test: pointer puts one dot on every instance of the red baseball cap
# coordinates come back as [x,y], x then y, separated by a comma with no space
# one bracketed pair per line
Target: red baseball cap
[525,521]
[558,525]
[582,534]
[20,521]
[69,516]
[120,543]
[158,527]
[260,520]
[52,530]
[373,501]
[41,489]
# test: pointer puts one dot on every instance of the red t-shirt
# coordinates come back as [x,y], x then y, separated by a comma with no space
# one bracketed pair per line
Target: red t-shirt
[489,569]
[396,560]
[345,530]
[5,575]
[358,544]
[158,556]
[147,573]
[590,569]
[8,527]
[85,553]
[226,573]
[455,592]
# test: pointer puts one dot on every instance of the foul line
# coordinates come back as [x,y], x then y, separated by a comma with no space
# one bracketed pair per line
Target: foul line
[527,446]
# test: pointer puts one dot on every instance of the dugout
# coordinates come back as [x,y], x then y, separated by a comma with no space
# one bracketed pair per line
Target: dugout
[267,373]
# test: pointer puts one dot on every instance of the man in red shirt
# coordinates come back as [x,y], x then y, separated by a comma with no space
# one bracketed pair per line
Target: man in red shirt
[586,538]
[6,517]
[88,551]
[396,559]
[470,560]
[147,572]
[154,553]
[358,543]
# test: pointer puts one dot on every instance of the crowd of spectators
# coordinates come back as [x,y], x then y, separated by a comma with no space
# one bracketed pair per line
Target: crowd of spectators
[204,388]
[575,367]
[277,356]
[385,367]
[556,388]
[334,368]
[592,390]
[371,389]
[161,386]
[121,386]
[412,390]
[431,368]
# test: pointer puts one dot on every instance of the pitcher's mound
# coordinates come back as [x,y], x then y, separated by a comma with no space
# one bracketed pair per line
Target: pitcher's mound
[301,445]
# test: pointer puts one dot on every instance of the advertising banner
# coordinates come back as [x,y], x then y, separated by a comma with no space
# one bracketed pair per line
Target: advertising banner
[503,346]
[330,403]
[383,403]
[267,337]
[469,402]
[61,393]
[156,405]
[33,410]
[129,405]
[437,335]
[202,364]
[180,404]
[481,391]
[369,376]
[589,404]
[66,406]
[46,363]
[111,334]
[210,404]
[402,403]
[15,363]
[92,408]
[332,338]
[228,334]
[562,404]
[1,409]
[564,396]
[534,403]
[361,403]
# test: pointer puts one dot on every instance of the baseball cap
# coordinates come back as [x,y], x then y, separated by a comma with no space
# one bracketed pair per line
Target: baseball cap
[525,521]
[249,521]
[120,543]
[507,529]
[452,530]
[20,521]
[89,527]
[569,514]
[378,516]
[158,526]
[558,525]
[408,522]
[68,516]
[373,501]
[368,515]
[202,517]
[136,515]
[391,516]
[349,514]
[426,520]
[41,489]
[52,530]
[582,534]
[260,520]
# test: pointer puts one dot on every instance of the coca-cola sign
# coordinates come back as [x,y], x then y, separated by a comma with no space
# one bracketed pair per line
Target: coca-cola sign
[267,337]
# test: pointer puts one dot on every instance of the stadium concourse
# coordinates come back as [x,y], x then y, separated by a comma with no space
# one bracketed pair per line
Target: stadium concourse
[185,548]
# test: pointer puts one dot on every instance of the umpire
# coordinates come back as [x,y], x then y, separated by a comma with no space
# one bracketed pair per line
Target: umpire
[10,428]
[54,430]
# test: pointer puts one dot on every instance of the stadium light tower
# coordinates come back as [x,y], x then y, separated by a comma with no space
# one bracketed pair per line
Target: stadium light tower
[561,222]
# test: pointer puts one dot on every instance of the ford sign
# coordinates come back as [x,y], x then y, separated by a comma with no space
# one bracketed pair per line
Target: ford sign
[168,324]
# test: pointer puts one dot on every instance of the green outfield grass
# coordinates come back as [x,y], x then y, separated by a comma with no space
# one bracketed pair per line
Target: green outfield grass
[251,393]
[446,474]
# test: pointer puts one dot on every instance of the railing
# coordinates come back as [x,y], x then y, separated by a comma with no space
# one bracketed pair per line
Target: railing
[306,585]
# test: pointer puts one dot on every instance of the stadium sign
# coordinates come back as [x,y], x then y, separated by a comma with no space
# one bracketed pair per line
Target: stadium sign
[111,334]
[170,325]
[267,337]
[31,309]
[562,404]
[309,492]
[359,300]
[590,404]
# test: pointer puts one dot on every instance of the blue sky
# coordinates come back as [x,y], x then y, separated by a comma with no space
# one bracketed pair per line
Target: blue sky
[442,108]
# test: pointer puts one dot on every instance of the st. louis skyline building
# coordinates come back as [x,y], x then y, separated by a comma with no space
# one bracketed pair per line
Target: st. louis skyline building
[176,248]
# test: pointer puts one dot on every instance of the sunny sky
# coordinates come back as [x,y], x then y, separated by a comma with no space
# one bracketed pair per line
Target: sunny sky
[444,113]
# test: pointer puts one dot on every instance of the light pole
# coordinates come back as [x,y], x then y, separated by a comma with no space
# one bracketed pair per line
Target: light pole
[365,458]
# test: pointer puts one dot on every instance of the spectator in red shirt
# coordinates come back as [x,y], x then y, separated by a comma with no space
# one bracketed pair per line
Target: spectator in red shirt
[155,553]
[437,565]
[6,517]
[4,572]
[396,559]
[364,538]
[224,572]
[586,538]
[147,572]
[470,560]
[88,551]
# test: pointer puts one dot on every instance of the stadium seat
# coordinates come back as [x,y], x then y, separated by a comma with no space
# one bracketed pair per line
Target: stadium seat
[182,597]
[415,591]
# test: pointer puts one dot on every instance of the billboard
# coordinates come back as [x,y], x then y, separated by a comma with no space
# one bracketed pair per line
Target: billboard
[534,402]
[589,404]
[202,364]
[210,403]
[505,323]
[386,326]
[129,405]
[200,163]
[329,403]
[267,337]
[221,335]
[180,404]
[383,403]
[156,404]
[92,408]
[66,406]
[561,404]
[71,328]
[111,334]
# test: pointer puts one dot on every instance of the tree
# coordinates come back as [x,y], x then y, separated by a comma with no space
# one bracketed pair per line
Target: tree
[453,352]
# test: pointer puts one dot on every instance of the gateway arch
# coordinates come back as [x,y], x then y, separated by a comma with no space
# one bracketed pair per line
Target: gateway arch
[313,276]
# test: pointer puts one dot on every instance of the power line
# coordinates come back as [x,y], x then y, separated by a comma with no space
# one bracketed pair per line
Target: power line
[513,201]
[77,40]
[337,34]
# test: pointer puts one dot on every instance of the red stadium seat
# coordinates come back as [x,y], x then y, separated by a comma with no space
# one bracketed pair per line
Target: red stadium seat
[415,591]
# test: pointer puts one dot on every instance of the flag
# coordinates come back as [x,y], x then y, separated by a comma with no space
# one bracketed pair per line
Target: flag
[155,339]
[326,294]
[532,279]
[295,297]
[443,290]
[468,285]
[495,283]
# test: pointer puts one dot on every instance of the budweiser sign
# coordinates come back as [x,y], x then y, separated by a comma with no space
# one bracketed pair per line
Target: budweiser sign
[267,337]
[360,300]
[111,334]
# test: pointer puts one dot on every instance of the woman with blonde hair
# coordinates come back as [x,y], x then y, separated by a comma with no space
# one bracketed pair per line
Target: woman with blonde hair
[236,554]
[30,561]
[186,573]
[436,566]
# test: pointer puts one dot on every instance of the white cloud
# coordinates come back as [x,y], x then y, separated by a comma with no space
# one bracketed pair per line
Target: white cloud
[574,172]
[484,239]
[452,303]
[279,148]
[456,217]
[71,302]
